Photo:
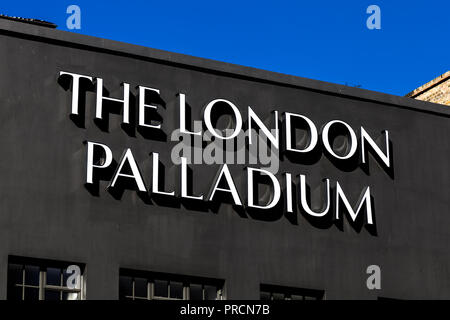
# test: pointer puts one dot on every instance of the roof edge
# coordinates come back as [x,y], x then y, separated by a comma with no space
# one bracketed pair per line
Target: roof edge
[429,85]
[39,33]
[34,21]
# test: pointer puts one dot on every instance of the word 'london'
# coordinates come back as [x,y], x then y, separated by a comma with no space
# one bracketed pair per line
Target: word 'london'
[224,183]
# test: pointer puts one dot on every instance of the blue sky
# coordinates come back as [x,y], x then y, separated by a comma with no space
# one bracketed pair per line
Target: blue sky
[324,40]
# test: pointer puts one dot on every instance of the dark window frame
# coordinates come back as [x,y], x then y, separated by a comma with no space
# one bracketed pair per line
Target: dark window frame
[41,284]
[152,277]
[287,293]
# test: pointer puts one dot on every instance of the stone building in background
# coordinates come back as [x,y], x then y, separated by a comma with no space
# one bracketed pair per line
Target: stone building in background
[437,90]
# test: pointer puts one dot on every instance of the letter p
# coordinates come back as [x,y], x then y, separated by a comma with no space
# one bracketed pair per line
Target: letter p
[90,159]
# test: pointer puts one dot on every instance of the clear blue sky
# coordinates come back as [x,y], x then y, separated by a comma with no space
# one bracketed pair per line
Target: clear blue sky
[324,40]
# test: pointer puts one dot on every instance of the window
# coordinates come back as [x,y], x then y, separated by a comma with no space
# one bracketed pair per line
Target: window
[138,285]
[271,292]
[39,279]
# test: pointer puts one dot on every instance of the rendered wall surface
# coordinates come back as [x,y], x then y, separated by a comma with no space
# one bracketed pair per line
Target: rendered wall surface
[46,211]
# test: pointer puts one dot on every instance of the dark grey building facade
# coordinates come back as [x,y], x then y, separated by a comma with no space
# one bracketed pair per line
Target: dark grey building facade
[49,213]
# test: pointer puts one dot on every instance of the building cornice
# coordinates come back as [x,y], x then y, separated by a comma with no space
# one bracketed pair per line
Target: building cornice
[70,39]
